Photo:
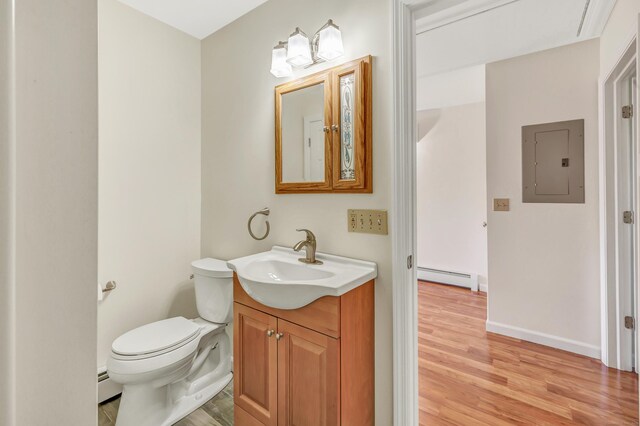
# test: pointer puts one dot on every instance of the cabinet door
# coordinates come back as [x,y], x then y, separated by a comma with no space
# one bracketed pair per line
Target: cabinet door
[303,136]
[308,377]
[255,363]
[351,126]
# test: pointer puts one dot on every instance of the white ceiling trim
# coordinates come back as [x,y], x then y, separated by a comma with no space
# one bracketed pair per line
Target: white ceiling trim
[598,12]
[457,13]
[595,18]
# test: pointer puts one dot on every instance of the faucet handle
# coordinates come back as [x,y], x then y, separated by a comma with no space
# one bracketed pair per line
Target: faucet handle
[310,235]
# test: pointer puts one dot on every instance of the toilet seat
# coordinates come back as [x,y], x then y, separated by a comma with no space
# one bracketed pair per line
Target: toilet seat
[155,339]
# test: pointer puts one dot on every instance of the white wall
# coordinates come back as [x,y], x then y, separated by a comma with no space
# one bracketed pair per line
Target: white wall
[238,148]
[7,219]
[452,192]
[56,126]
[620,28]
[149,228]
[544,258]
[459,87]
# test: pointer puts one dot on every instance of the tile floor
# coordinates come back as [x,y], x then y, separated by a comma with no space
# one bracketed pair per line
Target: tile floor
[215,412]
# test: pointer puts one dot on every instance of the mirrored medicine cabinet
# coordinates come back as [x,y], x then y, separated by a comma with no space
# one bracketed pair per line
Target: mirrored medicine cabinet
[323,131]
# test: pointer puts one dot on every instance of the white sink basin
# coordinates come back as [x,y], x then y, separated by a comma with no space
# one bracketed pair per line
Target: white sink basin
[277,279]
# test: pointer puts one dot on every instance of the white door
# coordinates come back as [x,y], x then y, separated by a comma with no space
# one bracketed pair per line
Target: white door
[314,148]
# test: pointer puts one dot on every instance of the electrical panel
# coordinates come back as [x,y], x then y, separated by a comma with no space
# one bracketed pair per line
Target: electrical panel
[553,162]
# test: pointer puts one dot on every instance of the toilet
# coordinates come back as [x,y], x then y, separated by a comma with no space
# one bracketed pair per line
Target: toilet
[169,368]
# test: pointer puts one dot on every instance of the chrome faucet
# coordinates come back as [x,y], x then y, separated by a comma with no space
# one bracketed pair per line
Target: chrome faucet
[309,245]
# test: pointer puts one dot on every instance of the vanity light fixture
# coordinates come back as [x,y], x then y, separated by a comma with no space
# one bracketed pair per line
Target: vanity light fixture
[300,51]
[330,42]
[279,65]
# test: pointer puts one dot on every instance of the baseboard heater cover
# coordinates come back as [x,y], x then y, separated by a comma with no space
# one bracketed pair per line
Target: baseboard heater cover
[459,279]
[107,388]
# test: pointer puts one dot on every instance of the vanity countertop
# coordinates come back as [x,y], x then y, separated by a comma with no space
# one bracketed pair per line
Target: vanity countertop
[277,278]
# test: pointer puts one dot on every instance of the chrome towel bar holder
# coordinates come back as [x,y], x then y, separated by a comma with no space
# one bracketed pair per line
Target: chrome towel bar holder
[265,212]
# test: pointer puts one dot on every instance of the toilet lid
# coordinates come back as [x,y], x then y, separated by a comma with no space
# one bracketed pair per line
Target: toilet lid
[156,337]
[212,268]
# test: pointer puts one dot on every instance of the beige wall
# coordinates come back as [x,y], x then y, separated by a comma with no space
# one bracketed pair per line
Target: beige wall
[543,258]
[620,28]
[149,186]
[452,192]
[7,224]
[56,212]
[238,148]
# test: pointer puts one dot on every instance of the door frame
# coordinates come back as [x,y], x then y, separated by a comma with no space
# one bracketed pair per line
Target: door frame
[403,217]
[613,348]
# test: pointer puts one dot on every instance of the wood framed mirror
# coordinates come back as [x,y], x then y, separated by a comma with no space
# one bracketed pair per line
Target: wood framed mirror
[323,131]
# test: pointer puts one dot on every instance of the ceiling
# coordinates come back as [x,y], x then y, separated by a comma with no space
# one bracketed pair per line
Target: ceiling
[199,18]
[453,34]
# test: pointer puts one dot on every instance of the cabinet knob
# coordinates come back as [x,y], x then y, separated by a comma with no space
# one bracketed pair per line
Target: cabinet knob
[326,129]
[279,336]
[335,127]
[270,333]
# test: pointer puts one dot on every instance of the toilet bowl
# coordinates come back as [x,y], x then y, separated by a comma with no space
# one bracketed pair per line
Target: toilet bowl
[171,367]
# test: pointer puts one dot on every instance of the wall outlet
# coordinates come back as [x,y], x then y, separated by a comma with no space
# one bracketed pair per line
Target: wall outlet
[500,204]
[368,221]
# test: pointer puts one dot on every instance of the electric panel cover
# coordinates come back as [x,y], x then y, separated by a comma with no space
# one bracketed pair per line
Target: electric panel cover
[553,162]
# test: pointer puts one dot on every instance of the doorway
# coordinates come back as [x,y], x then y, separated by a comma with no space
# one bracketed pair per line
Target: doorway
[451,179]
[405,297]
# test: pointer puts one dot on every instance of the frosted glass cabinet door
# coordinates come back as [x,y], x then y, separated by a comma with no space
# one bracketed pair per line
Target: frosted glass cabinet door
[349,130]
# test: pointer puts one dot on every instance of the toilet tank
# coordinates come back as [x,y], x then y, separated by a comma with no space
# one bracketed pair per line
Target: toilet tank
[214,290]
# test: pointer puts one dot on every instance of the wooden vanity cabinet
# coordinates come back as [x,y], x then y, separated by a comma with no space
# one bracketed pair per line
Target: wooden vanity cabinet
[312,366]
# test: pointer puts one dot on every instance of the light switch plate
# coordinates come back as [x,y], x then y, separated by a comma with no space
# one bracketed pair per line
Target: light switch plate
[500,204]
[368,221]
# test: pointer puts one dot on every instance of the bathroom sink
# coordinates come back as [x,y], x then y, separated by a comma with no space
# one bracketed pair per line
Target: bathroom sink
[277,279]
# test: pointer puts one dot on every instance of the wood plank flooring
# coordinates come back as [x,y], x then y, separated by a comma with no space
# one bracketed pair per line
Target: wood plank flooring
[215,412]
[471,377]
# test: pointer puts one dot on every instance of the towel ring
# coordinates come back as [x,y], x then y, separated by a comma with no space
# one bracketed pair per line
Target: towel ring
[111,285]
[265,212]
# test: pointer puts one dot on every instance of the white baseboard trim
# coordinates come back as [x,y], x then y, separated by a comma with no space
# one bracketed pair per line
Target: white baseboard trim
[484,288]
[544,339]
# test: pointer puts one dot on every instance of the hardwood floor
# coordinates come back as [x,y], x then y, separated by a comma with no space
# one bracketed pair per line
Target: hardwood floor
[218,411]
[471,377]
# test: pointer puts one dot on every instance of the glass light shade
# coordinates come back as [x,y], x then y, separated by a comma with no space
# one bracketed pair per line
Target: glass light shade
[279,65]
[330,42]
[299,51]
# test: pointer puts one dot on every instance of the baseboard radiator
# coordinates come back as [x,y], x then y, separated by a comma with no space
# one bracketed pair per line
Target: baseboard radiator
[459,279]
[107,388]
